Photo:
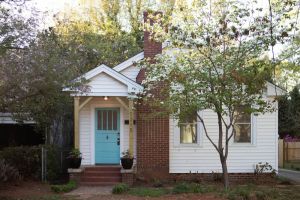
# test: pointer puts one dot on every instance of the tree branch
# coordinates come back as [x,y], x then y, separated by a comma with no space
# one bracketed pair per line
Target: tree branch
[206,133]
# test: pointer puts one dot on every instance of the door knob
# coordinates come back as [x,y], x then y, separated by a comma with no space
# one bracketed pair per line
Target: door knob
[118,141]
[107,137]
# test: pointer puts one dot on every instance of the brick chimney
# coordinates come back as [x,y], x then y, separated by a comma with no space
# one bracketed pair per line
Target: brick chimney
[151,47]
[153,132]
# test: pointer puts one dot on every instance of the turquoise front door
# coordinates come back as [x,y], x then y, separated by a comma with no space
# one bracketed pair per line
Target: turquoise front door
[107,136]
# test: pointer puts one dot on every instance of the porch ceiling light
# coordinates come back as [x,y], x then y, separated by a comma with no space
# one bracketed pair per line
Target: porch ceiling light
[105,98]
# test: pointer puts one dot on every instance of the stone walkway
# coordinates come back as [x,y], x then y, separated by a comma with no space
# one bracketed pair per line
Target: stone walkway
[290,174]
[86,192]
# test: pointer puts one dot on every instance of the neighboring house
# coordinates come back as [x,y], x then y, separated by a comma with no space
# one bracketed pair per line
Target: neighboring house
[104,115]
[13,133]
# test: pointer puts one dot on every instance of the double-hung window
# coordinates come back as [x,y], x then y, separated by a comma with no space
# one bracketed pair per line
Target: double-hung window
[242,126]
[188,130]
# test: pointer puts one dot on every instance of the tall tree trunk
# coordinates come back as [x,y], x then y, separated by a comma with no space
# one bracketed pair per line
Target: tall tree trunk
[225,172]
[223,158]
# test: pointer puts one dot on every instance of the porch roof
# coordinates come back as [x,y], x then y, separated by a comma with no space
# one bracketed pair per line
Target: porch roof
[105,81]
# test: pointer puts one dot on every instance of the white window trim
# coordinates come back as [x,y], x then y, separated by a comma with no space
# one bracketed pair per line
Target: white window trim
[176,134]
[253,135]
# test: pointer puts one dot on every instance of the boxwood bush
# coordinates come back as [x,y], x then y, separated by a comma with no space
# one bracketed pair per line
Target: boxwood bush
[71,185]
[28,160]
[120,188]
[8,173]
[25,159]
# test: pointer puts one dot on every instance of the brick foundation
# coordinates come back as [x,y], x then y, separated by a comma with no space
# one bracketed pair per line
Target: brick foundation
[128,177]
[75,174]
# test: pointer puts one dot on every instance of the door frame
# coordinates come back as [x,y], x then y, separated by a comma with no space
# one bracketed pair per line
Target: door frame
[92,127]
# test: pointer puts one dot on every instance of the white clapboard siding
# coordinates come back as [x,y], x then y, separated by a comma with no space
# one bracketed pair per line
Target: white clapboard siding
[203,158]
[104,83]
[86,129]
[84,134]
[131,72]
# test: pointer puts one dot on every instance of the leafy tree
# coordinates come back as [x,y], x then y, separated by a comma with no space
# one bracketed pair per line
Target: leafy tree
[16,31]
[99,43]
[288,71]
[295,109]
[284,116]
[289,113]
[218,65]
[120,15]
[49,63]
[33,80]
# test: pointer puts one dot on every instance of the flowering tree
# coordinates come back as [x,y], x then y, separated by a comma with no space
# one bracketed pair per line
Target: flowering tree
[217,63]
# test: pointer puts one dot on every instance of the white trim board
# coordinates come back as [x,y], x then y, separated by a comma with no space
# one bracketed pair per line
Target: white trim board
[133,87]
[127,63]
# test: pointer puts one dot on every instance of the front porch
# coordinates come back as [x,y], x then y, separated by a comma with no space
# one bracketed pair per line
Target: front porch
[104,129]
[104,125]
[104,116]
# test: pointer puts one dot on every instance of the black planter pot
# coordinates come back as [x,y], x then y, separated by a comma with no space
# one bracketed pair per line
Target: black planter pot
[127,163]
[74,163]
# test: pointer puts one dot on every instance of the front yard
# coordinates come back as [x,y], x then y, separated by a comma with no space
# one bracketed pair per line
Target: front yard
[192,191]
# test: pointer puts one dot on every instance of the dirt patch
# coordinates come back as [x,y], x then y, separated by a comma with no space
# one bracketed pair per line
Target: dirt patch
[166,197]
[24,190]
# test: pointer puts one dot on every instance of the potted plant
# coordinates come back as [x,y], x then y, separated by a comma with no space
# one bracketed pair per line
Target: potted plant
[127,160]
[74,159]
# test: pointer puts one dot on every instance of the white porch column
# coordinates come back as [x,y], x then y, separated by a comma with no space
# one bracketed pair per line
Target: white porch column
[76,122]
[130,112]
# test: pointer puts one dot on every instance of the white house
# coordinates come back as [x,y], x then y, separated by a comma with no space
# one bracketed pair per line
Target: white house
[108,122]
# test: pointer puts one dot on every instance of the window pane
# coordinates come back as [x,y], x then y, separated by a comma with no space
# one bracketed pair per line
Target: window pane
[99,121]
[115,120]
[104,120]
[243,118]
[109,119]
[242,126]
[242,133]
[188,133]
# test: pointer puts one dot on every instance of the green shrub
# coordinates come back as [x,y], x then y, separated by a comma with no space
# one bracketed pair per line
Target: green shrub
[120,188]
[53,163]
[197,188]
[181,188]
[148,192]
[25,159]
[8,173]
[71,185]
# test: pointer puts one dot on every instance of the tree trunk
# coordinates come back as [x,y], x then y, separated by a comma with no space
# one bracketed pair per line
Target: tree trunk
[225,172]
[221,152]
